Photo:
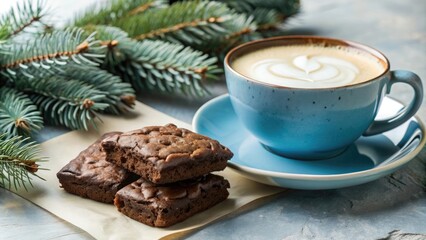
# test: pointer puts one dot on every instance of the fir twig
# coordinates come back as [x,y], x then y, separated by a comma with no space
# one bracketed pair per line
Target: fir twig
[4,34]
[120,97]
[241,29]
[285,8]
[190,23]
[18,114]
[65,102]
[156,64]
[267,14]
[18,162]
[108,12]
[167,67]
[55,49]
[23,16]
[267,19]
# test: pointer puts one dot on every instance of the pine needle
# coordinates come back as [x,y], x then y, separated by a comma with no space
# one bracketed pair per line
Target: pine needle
[23,16]
[190,23]
[120,97]
[65,102]
[18,114]
[286,8]
[108,12]
[157,65]
[50,50]
[18,162]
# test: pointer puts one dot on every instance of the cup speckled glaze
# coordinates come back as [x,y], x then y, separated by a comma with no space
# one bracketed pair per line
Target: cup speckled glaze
[317,123]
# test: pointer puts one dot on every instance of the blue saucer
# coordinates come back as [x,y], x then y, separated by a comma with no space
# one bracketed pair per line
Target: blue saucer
[369,158]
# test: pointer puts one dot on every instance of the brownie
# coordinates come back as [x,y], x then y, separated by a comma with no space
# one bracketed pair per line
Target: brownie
[165,205]
[165,154]
[89,175]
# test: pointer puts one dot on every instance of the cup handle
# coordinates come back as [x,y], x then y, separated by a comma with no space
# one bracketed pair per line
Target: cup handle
[407,112]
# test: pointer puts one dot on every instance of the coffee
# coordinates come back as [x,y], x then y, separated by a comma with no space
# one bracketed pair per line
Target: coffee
[309,66]
[299,97]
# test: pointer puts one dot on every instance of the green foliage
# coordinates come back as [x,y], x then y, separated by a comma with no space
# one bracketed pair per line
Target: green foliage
[266,18]
[285,8]
[4,34]
[241,29]
[18,161]
[267,14]
[21,17]
[107,12]
[120,96]
[51,50]
[18,114]
[63,101]
[157,65]
[190,23]
[167,67]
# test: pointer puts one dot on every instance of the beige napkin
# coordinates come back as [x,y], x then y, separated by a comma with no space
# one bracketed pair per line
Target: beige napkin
[103,221]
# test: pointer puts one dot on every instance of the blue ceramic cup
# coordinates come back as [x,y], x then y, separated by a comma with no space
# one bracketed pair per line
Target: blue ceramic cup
[314,123]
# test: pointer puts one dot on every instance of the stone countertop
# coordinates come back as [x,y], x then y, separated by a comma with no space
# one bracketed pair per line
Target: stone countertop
[393,207]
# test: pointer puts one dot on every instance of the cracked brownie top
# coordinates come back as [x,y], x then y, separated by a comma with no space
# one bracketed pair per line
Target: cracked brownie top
[167,146]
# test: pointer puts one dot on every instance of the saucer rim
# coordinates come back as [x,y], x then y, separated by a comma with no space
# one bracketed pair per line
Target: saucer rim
[325,177]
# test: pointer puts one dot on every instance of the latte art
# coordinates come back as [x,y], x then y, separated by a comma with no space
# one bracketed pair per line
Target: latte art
[323,70]
[307,66]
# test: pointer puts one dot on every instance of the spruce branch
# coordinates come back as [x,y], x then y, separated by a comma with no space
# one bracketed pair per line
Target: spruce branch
[266,19]
[285,8]
[4,34]
[23,16]
[157,65]
[18,161]
[190,23]
[241,29]
[168,67]
[18,114]
[268,14]
[65,102]
[105,13]
[51,50]
[120,97]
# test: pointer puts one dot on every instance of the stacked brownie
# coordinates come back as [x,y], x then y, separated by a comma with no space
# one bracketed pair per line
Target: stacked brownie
[89,175]
[174,166]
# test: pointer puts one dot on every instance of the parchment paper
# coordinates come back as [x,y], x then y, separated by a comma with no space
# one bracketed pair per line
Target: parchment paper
[103,221]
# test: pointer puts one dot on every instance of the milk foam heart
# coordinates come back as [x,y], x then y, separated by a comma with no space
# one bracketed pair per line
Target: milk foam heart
[308,66]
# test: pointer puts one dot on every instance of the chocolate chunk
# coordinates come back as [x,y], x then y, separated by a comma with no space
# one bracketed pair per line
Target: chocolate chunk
[165,154]
[165,205]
